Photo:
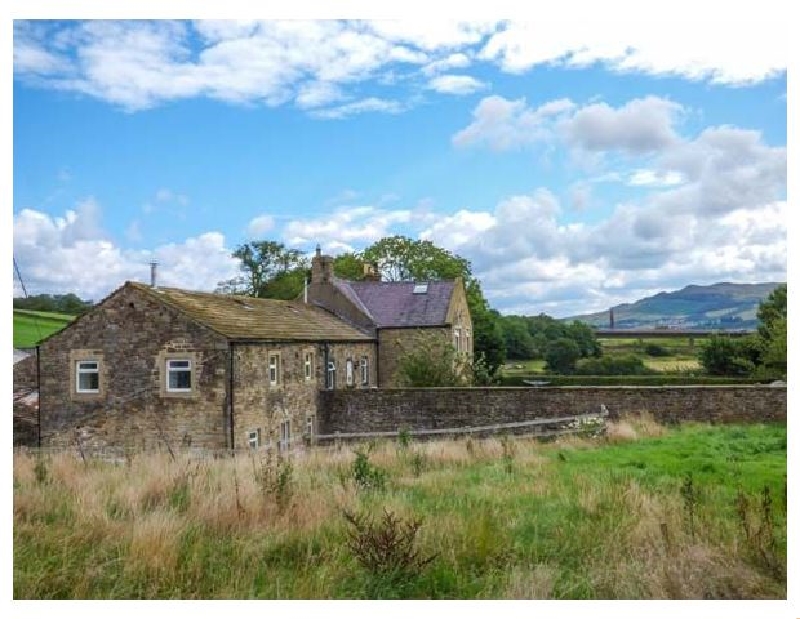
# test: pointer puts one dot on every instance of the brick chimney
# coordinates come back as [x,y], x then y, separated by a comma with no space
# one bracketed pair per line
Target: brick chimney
[321,268]
[371,272]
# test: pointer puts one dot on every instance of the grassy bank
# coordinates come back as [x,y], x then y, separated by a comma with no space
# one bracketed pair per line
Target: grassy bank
[31,326]
[644,512]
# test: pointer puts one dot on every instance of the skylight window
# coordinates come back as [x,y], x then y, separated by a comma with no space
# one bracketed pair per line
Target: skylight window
[421,288]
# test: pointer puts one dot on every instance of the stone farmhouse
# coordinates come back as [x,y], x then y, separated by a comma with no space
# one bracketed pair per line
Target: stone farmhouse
[150,366]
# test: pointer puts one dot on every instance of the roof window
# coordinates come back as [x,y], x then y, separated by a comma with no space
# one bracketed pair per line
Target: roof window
[421,288]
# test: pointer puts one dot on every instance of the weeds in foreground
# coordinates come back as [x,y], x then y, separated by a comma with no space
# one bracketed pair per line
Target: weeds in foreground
[756,520]
[386,549]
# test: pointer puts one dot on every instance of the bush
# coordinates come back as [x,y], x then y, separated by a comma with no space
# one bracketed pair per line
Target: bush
[386,548]
[367,475]
[725,356]
[630,365]
[562,355]
[655,380]
[656,350]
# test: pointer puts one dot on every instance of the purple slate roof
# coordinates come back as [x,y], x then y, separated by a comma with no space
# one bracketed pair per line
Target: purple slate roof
[394,304]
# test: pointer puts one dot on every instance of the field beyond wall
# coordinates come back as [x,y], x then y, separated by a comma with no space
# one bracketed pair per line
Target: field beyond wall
[643,512]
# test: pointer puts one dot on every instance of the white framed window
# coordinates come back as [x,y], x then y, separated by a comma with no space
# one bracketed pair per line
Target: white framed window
[364,363]
[467,337]
[274,369]
[179,375]
[254,438]
[348,369]
[309,366]
[457,339]
[87,376]
[330,375]
[286,436]
[310,423]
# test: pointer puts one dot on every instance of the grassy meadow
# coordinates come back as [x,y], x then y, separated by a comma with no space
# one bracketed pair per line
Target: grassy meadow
[31,326]
[642,512]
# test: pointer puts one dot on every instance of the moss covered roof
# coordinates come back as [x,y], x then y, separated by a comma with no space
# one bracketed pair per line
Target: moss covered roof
[245,318]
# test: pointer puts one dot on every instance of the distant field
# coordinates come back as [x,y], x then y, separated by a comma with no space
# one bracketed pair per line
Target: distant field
[670,364]
[31,326]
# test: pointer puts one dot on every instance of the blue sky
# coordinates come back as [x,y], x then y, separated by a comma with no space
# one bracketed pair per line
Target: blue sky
[575,169]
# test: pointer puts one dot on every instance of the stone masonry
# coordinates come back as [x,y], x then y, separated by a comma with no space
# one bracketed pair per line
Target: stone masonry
[395,409]
[129,336]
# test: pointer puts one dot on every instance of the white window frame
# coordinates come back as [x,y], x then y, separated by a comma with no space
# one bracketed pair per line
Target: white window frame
[350,378]
[309,366]
[457,338]
[86,371]
[285,435]
[254,438]
[310,423]
[364,365]
[169,369]
[330,375]
[276,368]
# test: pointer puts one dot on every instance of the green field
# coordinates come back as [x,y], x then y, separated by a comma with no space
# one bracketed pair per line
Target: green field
[643,512]
[31,326]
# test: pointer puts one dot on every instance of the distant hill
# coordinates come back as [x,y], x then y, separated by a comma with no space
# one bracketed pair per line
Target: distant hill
[718,306]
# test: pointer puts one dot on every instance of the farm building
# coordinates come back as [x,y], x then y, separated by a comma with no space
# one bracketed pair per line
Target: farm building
[151,366]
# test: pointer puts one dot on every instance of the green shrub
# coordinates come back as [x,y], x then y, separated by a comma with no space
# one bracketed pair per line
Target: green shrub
[367,475]
[656,350]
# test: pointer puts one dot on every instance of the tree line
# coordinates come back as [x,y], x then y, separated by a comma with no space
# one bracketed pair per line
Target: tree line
[60,303]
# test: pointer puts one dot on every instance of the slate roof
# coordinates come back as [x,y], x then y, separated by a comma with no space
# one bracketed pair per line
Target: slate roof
[244,318]
[394,304]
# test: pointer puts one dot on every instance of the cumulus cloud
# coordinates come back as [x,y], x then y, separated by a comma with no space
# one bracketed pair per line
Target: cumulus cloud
[501,124]
[141,64]
[258,226]
[640,126]
[73,254]
[644,44]
[455,84]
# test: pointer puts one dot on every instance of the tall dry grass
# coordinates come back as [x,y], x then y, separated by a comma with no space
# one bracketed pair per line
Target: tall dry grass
[504,517]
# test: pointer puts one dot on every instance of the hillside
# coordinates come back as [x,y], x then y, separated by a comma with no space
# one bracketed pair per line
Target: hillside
[722,306]
[31,326]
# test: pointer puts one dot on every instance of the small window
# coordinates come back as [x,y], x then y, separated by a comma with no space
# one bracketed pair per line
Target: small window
[309,365]
[364,371]
[330,376]
[310,422]
[274,369]
[348,367]
[421,288]
[286,436]
[87,377]
[457,339]
[254,438]
[179,375]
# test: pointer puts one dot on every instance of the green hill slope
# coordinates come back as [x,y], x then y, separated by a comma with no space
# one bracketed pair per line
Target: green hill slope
[31,326]
[719,306]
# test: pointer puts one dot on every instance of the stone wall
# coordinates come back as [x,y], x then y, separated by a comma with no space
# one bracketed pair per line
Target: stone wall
[394,409]
[394,343]
[131,335]
[25,373]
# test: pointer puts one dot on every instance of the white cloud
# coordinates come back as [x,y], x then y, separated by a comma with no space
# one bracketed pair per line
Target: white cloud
[348,225]
[137,65]
[640,126]
[502,124]
[649,178]
[371,104]
[453,61]
[260,225]
[163,195]
[73,254]
[643,45]
[455,84]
